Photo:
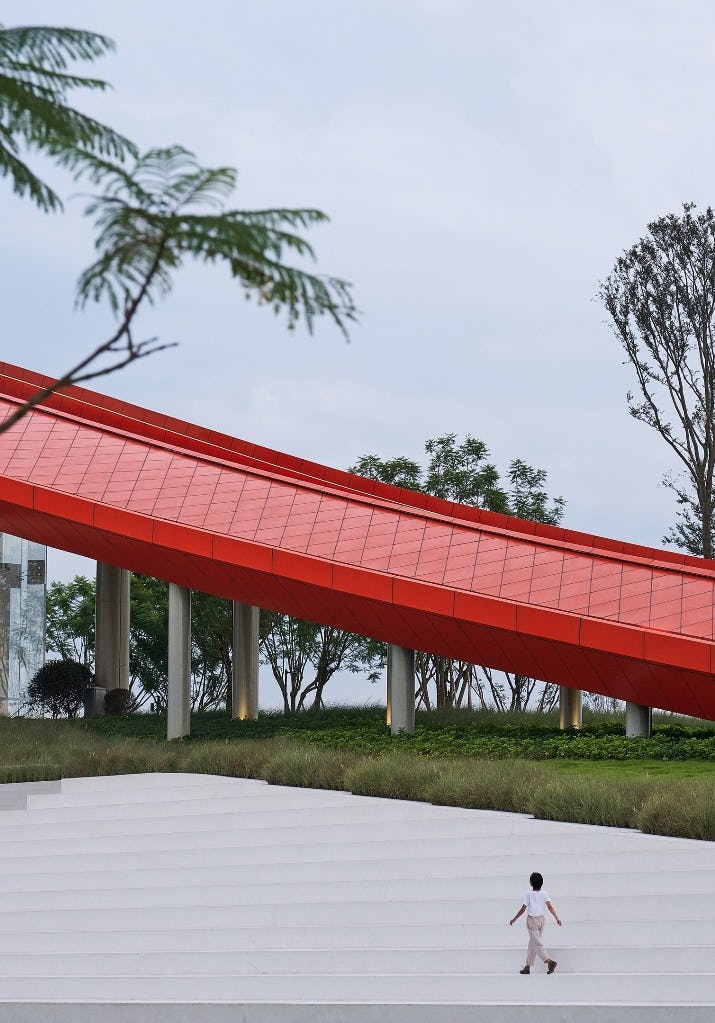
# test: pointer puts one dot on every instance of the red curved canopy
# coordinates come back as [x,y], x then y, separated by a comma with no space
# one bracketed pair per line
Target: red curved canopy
[96,476]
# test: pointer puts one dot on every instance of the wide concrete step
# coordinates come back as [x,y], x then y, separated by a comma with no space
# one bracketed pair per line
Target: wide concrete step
[406,961]
[307,883]
[360,823]
[154,782]
[74,933]
[324,841]
[576,989]
[231,811]
[228,900]
[249,796]
[329,862]
[461,901]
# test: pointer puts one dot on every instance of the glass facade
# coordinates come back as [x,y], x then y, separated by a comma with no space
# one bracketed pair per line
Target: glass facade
[23,571]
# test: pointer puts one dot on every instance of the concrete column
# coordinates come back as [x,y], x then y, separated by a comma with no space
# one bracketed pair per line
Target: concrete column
[400,689]
[569,707]
[179,681]
[639,720]
[111,658]
[244,673]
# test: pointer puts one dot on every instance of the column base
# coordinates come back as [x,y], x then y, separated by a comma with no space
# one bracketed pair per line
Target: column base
[94,702]
[570,704]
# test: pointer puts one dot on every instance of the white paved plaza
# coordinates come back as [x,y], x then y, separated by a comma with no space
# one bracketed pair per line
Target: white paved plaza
[197,899]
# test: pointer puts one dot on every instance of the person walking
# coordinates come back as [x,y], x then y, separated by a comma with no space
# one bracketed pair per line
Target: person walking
[536,902]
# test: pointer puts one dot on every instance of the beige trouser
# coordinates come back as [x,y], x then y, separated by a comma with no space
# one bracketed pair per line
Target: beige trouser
[535,927]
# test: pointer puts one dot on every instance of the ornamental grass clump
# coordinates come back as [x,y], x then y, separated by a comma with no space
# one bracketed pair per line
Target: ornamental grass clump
[397,776]
[683,809]
[307,766]
[484,784]
[586,800]
[121,758]
[245,759]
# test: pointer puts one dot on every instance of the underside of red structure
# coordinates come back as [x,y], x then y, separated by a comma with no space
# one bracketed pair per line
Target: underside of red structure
[96,476]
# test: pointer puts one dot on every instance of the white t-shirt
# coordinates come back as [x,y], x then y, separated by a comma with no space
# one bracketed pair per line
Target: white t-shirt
[535,902]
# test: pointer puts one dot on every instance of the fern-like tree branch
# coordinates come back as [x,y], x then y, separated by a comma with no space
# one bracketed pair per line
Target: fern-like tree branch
[35,112]
[167,208]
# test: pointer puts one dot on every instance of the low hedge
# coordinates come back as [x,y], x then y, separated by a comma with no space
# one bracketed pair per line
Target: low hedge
[363,731]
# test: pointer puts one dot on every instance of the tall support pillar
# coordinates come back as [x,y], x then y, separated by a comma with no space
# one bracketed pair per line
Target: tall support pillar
[179,687]
[244,672]
[639,720]
[112,627]
[570,701]
[400,689]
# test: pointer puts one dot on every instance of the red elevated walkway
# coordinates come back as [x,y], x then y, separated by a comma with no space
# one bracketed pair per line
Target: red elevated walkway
[99,477]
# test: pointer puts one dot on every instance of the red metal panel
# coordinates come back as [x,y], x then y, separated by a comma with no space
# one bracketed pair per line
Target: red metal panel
[121,483]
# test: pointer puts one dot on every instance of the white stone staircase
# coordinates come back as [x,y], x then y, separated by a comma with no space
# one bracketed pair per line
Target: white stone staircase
[203,899]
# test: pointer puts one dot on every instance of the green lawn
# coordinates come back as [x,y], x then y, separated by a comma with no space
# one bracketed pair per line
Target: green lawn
[663,769]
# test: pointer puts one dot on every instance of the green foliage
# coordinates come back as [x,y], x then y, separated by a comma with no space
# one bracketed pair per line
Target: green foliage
[211,651]
[148,639]
[70,620]
[70,632]
[166,208]
[659,296]
[291,647]
[682,809]
[398,472]
[687,532]
[528,499]
[35,84]
[118,702]
[58,688]
[461,472]
[151,216]
[149,642]
[304,767]
[480,735]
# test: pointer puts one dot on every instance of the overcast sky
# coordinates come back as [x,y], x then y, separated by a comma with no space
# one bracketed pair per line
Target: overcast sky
[483,165]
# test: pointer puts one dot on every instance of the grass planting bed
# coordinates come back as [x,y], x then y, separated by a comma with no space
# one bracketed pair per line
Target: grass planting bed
[521,763]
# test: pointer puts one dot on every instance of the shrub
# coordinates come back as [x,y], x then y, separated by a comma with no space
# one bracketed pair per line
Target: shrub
[118,703]
[58,688]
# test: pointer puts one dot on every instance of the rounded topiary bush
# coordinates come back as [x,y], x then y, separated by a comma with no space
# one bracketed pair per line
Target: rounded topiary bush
[118,703]
[58,688]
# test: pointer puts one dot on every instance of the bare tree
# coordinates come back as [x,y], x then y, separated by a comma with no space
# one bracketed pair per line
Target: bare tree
[660,296]
[509,691]
[293,648]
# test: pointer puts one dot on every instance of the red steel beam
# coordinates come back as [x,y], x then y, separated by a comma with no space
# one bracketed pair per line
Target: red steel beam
[115,482]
